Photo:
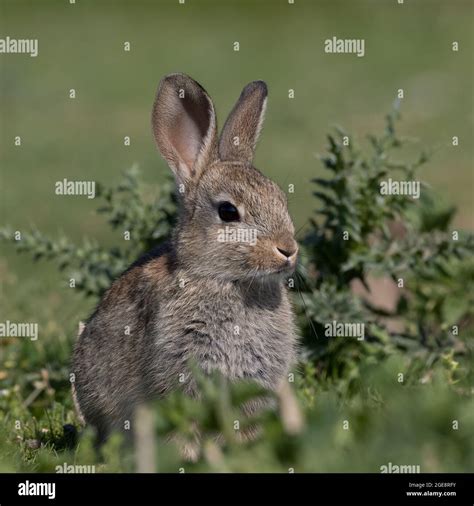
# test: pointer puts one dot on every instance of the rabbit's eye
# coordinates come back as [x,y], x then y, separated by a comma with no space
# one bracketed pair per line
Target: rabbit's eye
[228,212]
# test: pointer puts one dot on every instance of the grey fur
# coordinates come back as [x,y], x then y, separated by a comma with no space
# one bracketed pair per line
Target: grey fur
[222,305]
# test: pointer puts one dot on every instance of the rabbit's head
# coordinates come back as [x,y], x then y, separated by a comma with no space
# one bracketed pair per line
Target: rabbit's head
[234,222]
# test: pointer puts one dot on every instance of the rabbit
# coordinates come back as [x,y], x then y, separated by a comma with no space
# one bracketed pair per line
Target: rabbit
[217,301]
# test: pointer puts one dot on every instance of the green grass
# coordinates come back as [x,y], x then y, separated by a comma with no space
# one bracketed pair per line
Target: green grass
[429,425]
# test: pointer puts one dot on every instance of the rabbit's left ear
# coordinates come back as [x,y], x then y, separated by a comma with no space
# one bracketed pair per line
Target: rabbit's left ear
[241,130]
[184,126]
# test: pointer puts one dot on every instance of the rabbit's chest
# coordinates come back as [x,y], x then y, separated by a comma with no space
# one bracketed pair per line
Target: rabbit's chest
[237,339]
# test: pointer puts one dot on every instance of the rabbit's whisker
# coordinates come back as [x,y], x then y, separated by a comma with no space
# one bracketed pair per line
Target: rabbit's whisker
[305,308]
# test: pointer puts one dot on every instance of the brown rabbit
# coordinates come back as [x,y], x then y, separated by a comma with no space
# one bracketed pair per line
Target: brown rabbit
[211,295]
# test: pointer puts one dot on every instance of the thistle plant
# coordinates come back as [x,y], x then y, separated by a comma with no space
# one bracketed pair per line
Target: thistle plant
[359,234]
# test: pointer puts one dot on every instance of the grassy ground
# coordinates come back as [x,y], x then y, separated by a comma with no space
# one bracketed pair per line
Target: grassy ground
[81,46]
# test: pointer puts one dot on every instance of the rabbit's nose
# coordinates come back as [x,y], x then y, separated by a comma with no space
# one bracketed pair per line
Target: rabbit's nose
[284,252]
[288,250]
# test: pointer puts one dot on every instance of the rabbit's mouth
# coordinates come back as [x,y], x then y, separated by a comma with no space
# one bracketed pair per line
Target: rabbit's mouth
[278,269]
[285,269]
[288,269]
[275,274]
[289,265]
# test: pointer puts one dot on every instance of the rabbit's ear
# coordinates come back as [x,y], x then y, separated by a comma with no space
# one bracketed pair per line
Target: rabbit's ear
[184,126]
[242,128]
